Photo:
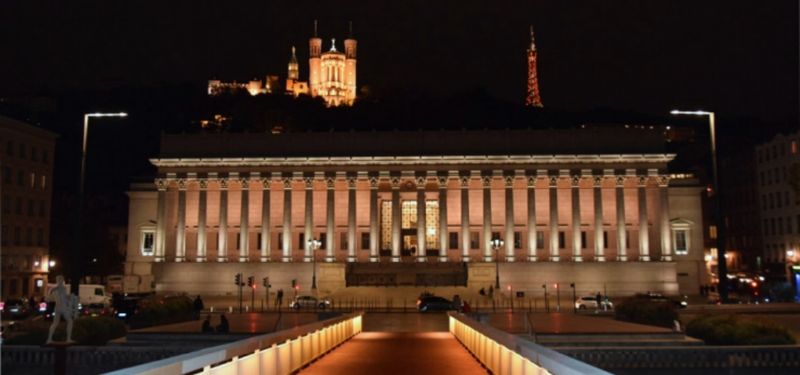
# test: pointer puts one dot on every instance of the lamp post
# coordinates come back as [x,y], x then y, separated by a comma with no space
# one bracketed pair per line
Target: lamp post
[78,222]
[722,266]
[497,244]
[314,244]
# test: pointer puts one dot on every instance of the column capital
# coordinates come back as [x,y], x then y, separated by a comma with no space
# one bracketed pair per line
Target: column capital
[442,180]
[619,181]
[223,183]
[309,182]
[202,184]
[421,180]
[464,181]
[553,181]
[373,182]
[597,181]
[575,181]
[265,181]
[641,181]
[662,180]
[531,181]
[182,184]
[351,182]
[287,183]
[487,181]
[395,180]
[244,183]
[509,181]
[329,181]
[161,184]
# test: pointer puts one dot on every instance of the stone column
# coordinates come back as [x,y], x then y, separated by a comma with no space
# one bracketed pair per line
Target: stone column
[374,220]
[266,240]
[330,230]
[487,219]
[622,246]
[244,221]
[598,220]
[287,220]
[396,219]
[443,233]
[421,221]
[666,235]
[465,245]
[351,219]
[309,220]
[644,240]
[554,256]
[180,238]
[531,218]
[509,242]
[576,219]
[161,217]
[202,211]
[222,238]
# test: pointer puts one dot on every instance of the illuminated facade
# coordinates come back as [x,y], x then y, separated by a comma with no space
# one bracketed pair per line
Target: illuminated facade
[253,87]
[332,74]
[597,209]
[27,171]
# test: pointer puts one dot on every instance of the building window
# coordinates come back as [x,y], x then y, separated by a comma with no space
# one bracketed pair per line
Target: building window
[605,239]
[31,210]
[793,147]
[562,241]
[258,241]
[280,240]
[17,236]
[6,204]
[147,242]
[45,157]
[22,151]
[34,154]
[7,179]
[323,241]
[10,148]
[41,209]
[780,226]
[453,245]
[29,237]
[343,241]
[680,242]
[20,178]
[4,235]
[583,240]
[33,180]
[474,240]
[540,239]
[302,240]
[19,206]
[364,240]
[40,237]
[44,182]
[627,239]
[517,240]
[712,232]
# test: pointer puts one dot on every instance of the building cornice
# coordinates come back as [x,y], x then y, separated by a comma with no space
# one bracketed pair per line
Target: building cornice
[365,161]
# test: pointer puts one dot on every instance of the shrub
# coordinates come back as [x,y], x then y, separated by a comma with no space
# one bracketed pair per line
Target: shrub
[163,311]
[85,331]
[643,311]
[731,330]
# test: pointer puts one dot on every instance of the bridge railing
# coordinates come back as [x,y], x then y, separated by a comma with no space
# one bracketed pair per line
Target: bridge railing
[504,353]
[282,352]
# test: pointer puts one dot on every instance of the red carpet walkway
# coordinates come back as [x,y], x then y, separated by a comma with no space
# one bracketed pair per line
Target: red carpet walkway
[384,353]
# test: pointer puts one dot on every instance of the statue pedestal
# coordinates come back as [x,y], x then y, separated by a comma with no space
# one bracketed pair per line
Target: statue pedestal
[59,356]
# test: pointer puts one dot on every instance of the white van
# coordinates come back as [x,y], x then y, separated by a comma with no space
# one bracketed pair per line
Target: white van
[88,294]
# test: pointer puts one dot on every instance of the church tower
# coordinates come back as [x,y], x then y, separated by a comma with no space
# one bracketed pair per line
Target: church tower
[314,61]
[533,98]
[294,68]
[350,66]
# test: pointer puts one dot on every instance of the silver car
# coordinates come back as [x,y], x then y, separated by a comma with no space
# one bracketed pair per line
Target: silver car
[590,302]
[309,302]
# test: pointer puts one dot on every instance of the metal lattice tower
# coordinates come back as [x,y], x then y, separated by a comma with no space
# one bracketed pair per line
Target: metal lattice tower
[533,97]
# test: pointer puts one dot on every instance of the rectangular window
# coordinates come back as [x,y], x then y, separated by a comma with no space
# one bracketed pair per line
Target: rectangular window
[19,206]
[258,241]
[562,241]
[4,235]
[323,241]
[301,240]
[280,240]
[148,240]
[788,225]
[343,242]
[474,240]
[41,209]
[33,180]
[44,182]
[238,241]
[45,157]
[605,239]
[627,239]
[10,148]
[583,239]
[680,242]
[712,232]
[540,239]
[20,178]
[453,241]
[22,151]
[6,204]
[793,147]
[517,240]
[31,210]
[17,236]
[364,240]
[34,154]
[7,179]
[780,226]
[40,237]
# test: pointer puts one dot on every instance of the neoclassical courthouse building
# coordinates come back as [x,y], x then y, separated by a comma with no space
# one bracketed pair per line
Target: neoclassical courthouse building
[592,206]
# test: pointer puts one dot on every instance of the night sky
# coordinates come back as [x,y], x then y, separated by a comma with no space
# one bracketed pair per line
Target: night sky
[735,57]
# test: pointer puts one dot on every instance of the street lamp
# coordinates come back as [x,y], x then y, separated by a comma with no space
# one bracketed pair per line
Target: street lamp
[314,244]
[497,244]
[76,271]
[722,266]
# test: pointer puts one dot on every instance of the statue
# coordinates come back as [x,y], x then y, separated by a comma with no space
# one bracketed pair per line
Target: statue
[66,306]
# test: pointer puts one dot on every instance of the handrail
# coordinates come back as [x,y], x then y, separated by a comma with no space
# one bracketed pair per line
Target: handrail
[281,352]
[504,353]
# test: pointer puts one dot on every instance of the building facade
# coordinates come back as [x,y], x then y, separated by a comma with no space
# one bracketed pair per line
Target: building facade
[27,171]
[778,171]
[565,205]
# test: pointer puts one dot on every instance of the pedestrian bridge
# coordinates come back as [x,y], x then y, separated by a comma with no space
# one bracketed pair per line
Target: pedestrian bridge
[341,346]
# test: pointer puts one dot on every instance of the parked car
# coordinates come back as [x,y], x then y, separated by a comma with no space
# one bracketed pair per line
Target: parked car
[309,302]
[434,303]
[96,309]
[590,302]
[14,308]
[658,297]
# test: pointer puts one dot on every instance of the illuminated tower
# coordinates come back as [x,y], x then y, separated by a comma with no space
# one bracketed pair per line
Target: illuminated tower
[350,66]
[294,68]
[314,62]
[533,98]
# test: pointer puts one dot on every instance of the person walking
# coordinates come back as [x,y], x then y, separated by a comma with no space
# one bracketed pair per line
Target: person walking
[279,299]
[198,306]
[223,326]
[598,298]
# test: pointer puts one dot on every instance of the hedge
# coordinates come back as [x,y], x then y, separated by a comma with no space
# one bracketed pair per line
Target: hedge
[648,312]
[731,330]
[86,331]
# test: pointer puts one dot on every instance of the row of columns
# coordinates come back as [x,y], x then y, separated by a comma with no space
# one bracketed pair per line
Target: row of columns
[286,250]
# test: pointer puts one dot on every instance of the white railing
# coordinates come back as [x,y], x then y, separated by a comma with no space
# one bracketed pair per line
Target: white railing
[503,353]
[282,352]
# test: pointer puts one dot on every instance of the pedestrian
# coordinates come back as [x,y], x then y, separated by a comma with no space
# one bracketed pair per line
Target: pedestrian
[457,302]
[32,304]
[599,300]
[491,291]
[279,298]
[207,325]
[223,326]
[482,292]
[198,306]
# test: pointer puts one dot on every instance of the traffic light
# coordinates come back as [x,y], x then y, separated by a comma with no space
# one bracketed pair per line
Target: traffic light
[238,280]
[265,282]
[251,282]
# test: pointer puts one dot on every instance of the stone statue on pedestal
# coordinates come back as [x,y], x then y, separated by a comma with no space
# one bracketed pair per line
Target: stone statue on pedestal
[66,306]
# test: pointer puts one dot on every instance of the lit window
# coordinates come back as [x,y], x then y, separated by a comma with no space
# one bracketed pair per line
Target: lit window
[712,232]
[680,242]
[793,147]
[44,182]
[680,236]
[148,241]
